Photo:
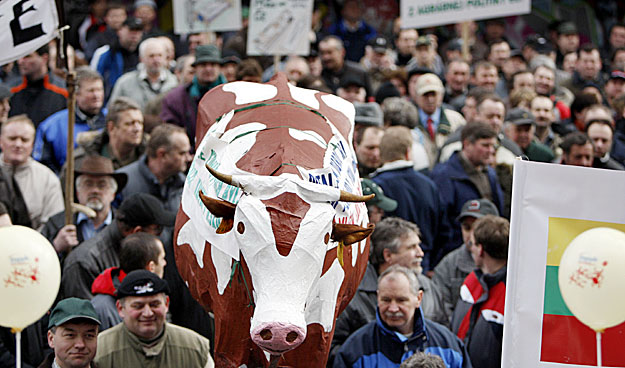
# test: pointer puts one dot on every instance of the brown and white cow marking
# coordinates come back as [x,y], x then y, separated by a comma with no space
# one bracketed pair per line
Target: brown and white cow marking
[268,269]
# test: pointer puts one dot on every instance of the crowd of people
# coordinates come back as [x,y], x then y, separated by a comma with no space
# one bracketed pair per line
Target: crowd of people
[436,134]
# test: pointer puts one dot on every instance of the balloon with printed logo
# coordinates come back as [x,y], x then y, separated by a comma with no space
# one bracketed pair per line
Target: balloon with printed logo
[30,276]
[592,277]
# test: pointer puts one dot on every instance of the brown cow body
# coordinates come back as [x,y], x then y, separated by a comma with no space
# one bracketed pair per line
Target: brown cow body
[275,152]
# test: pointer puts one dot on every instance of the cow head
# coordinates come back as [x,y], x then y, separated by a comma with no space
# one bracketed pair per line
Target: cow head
[282,226]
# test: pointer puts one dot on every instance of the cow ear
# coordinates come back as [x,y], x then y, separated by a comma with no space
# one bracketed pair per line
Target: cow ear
[350,234]
[222,209]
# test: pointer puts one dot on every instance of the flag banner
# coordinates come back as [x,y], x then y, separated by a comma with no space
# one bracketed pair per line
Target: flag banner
[279,27]
[553,207]
[26,26]
[430,13]
[192,16]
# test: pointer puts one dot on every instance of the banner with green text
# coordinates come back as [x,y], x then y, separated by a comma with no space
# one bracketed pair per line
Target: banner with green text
[430,13]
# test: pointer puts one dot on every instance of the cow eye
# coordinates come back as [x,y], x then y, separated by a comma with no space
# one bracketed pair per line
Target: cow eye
[240,227]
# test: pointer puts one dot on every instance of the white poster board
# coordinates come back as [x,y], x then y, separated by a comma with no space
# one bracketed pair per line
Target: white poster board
[206,15]
[279,27]
[429,13]
[25,26]
[551,205]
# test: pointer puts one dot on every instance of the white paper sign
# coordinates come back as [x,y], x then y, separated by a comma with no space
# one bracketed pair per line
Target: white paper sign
[551,205]
[206,15]
[279,27]
[25,26]
[429,13]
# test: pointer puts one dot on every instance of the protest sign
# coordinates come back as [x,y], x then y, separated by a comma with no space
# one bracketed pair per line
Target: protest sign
[429,13]
[279,27]
[552,205]
[25,26]
[206,15]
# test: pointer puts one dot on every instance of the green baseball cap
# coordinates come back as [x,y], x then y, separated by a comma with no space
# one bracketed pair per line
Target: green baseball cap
[72,308]
[380,200]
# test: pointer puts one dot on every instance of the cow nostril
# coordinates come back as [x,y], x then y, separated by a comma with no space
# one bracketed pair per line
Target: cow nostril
[266,334]
[291,336]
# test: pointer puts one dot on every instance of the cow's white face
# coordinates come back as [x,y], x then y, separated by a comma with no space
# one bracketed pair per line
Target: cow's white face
[281,283]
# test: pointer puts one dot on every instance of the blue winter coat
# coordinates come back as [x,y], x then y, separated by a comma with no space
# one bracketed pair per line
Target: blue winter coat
[456,189]
[51,139]
[376,346]
[418,201]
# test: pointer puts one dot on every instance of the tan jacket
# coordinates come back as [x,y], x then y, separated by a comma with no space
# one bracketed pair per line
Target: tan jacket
[178,347]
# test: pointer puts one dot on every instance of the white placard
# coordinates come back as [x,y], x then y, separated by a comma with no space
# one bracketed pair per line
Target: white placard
[279,27]
[429,13]
[551,204]
[25,26]
[206,15]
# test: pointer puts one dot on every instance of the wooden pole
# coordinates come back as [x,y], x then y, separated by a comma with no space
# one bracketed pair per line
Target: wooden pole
[69,160]
[62,61]
[465,41]
[276,64]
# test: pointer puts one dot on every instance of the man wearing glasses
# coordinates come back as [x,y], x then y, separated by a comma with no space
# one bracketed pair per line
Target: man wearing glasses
[96,186]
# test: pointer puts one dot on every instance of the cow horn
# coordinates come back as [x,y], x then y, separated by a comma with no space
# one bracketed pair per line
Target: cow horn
[222,177]
[350,197]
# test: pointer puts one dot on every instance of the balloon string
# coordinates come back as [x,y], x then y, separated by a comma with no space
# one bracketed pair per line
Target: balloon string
[18,349]
[599,349]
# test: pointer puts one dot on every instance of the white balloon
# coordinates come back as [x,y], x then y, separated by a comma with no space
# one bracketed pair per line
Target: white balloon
[592,277]
[30,276]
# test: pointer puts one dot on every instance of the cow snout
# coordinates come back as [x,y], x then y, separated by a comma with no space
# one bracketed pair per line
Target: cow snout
[278,338]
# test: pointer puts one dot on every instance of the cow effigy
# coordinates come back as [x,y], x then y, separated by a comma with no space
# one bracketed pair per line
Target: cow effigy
[272,233]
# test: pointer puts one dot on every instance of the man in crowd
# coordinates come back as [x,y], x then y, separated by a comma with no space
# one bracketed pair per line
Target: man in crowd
[600,130]
[145,338]
[151,77]
[96,186]
[40,187]
[73,334]
[140,212]
[478,317]
[400,329]
[336,67]
[51,140]
[458,264]
[435,123]
[567,40]
[139,251]
[486,75]
[367,146]
[418,199]
[467,175]
[577,150]
[353,30]
[123,141]
[394,241]
[588,68]
[457,76]
[352,89]
[406,45]
[160,172]
[615,86]
[520,128]
[180,104]
[39,93]
[111,61]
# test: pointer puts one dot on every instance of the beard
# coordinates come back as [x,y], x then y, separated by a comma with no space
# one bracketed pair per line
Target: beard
[95,204]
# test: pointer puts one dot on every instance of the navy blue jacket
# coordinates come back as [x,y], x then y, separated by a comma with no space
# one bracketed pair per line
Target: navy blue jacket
[456,189]
[418,201]
[376,346]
